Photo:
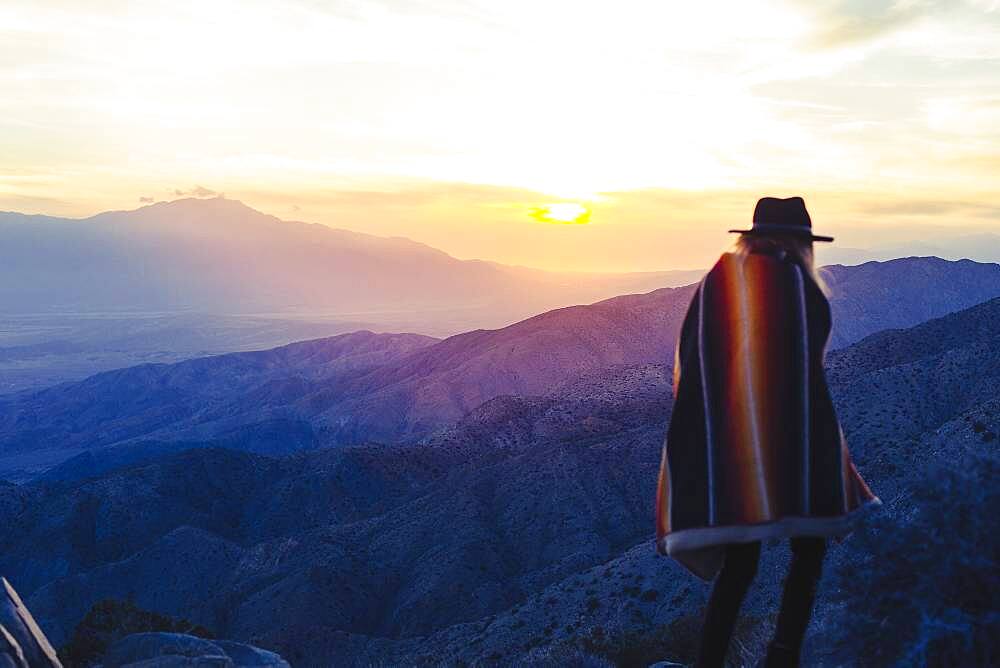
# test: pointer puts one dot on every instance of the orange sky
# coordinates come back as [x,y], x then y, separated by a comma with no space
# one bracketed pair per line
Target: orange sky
[455,123]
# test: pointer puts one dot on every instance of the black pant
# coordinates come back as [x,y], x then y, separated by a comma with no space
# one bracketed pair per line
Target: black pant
[738,571]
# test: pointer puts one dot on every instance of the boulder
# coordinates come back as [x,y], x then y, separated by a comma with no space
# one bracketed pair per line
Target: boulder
[248,655]
[175,650]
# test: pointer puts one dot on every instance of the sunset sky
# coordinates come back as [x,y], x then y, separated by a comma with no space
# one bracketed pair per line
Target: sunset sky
[564,135]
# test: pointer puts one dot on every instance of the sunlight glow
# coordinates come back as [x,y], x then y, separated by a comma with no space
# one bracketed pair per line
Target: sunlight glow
[562,212]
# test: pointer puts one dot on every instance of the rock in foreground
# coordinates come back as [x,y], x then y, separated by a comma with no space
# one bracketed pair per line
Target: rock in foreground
[160,650]
[22,643]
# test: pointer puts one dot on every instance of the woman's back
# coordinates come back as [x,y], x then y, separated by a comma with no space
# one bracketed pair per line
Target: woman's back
[754,449]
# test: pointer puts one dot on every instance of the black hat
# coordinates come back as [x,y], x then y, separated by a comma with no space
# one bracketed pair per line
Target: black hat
[782,216]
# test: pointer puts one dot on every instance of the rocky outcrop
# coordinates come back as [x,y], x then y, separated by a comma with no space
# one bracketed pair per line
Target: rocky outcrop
[22,643]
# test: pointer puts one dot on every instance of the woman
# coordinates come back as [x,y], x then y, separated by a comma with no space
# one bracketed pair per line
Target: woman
[754,449]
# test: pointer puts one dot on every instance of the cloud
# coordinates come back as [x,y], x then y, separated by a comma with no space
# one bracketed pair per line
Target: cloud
[146,200]
[24,203]
[935,208]
[845,22]
[403,194]
[198,191]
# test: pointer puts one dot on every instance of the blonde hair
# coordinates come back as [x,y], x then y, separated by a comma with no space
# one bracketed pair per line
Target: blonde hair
[799,249]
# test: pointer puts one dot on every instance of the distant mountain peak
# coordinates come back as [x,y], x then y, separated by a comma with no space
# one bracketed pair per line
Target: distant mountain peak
[216,203]
[218,210]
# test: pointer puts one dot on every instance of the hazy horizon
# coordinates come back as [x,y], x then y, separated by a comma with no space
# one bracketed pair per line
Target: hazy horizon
[939,241]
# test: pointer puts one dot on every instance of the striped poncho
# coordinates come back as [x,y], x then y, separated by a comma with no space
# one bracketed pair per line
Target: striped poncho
[754,449]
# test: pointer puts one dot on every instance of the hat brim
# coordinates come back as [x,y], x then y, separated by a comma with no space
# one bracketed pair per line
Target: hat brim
[783,229]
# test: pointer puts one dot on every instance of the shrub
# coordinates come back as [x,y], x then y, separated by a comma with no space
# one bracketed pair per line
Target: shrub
[676,641]
[111,619]
[922,588]
[562,656]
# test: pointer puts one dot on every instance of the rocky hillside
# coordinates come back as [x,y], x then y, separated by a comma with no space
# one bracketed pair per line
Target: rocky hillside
[234,393]
[922,376]
[523,531]
[903,293]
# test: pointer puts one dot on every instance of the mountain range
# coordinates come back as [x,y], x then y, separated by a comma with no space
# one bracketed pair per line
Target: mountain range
[193,277]
[518,532]
[388,388]
[979,246]
[180,280]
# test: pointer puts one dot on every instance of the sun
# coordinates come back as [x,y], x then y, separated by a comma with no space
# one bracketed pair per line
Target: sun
[562,212]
